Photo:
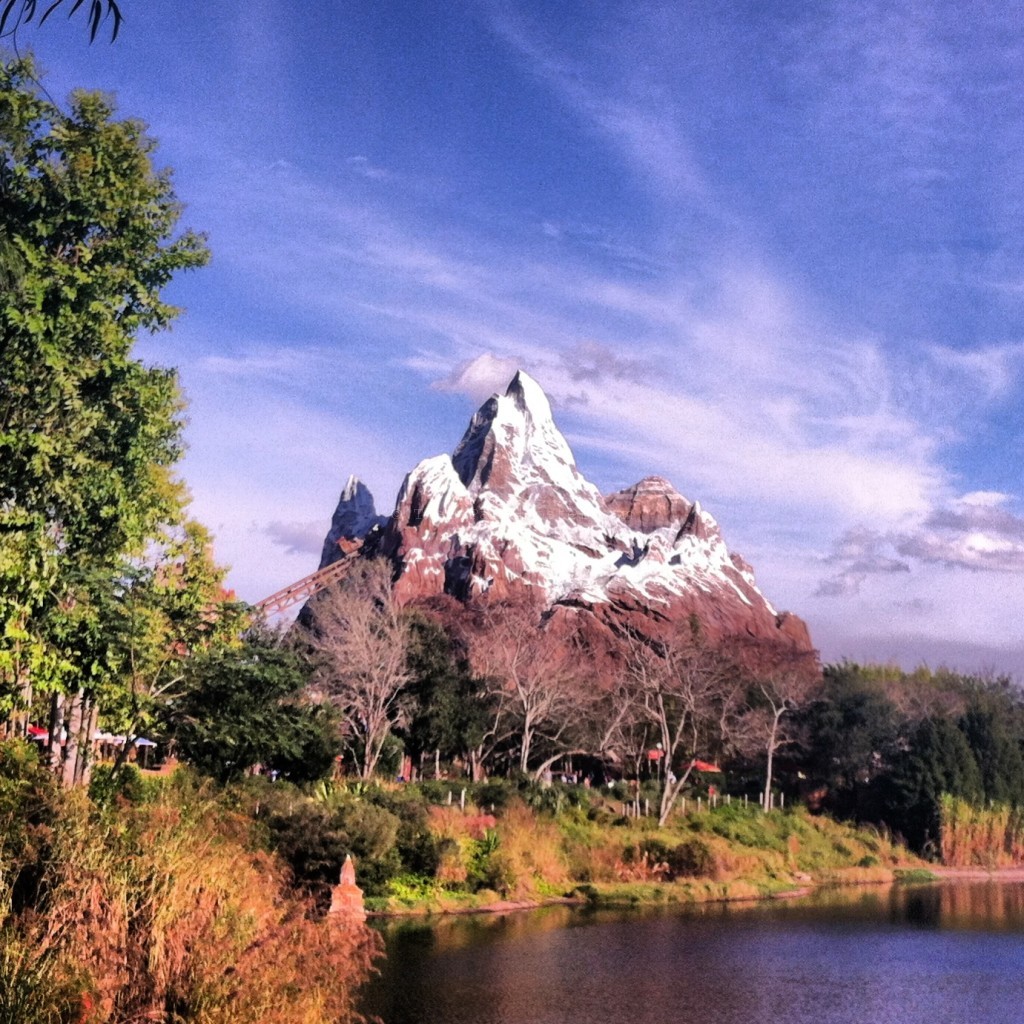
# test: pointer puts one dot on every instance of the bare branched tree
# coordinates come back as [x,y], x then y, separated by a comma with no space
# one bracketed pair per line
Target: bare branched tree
[692,694]
[361,640]
[536,682]
[784,681]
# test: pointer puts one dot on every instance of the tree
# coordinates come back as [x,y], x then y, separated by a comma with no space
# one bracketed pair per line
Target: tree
[88,434]
[784,681]
[937,761]
[534,681]
[997,752]
[692,693]
[360,642]
[449,707]
[854,734]
[167,608]
[246,705]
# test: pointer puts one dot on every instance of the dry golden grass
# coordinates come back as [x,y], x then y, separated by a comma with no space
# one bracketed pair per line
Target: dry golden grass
[989,837]
[529,852]
[163,913]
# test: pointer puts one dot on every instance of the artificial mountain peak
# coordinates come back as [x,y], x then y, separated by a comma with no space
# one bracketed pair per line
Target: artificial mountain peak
[514,435]
[508,515]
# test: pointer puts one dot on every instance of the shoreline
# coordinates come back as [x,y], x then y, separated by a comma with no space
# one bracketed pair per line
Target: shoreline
[692,893]
[979,874]
[663,896]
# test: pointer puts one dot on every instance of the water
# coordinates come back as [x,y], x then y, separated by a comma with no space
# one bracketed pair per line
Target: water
[938,954]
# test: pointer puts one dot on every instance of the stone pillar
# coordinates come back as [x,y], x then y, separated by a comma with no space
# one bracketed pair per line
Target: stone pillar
[347,897]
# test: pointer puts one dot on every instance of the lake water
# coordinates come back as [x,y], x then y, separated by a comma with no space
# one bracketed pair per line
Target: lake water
[936,954]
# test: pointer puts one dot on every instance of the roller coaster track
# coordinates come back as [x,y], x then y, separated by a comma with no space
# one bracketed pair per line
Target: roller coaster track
[304,589]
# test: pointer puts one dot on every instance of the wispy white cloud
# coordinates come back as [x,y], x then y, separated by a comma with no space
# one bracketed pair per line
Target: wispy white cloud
[365,168]
[479,378]
[644,131]
[996,371]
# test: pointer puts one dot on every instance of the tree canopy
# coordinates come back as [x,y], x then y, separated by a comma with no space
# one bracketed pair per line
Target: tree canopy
[89,433]
[244,705]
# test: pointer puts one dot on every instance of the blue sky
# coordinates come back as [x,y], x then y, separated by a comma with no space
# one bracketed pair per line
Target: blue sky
[772,251]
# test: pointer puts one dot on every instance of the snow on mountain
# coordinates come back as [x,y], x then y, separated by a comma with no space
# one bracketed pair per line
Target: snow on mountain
[509,511]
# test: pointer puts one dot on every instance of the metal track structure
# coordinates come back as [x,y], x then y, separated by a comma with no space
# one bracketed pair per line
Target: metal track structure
[304,589]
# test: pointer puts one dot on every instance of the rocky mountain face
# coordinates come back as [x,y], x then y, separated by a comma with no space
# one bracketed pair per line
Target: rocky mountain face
[508,515]
[353,519]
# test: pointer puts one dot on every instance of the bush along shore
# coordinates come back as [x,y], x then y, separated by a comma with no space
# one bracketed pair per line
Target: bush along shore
[438,847]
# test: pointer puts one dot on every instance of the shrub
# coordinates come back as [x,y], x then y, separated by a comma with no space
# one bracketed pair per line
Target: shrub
[484,870]
[126,783]
[307,839]
[692,858]
[496,794]
[530,854]
[412,889]
[435,791]
[33,986]
[653,858]
[29,806]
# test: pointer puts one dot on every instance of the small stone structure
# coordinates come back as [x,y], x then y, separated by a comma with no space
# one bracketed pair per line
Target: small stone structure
[347,897]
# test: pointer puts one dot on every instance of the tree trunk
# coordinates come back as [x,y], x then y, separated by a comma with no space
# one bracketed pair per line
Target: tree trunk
[53,750]
[670,794]
[84,770]
[73,725]
[767,795]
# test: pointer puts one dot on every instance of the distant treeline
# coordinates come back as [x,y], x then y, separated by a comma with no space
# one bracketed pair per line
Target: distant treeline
[883,745]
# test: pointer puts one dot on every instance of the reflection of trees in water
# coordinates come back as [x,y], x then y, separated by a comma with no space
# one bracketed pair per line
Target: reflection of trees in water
[907,953]
[961,905]
[982,906]
[463,931]
[966,906]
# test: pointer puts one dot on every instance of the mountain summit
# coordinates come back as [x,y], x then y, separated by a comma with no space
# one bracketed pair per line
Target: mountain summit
[508,514]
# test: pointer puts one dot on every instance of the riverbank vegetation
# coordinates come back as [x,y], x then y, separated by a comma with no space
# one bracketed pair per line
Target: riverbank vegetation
[452,847]
[157,904]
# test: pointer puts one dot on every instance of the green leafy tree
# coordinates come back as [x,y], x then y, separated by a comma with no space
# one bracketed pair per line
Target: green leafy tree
[987,727]
[937,761]
[853,734]
[245,706]
[450,710]
[88,433]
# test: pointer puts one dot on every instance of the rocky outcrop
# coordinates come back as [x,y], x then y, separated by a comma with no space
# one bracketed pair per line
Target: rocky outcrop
[354,518]
[509,515]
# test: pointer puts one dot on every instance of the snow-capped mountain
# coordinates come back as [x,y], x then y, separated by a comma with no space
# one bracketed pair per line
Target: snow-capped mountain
[509,511]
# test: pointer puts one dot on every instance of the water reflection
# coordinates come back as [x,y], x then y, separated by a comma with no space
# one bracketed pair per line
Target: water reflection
[900,954]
